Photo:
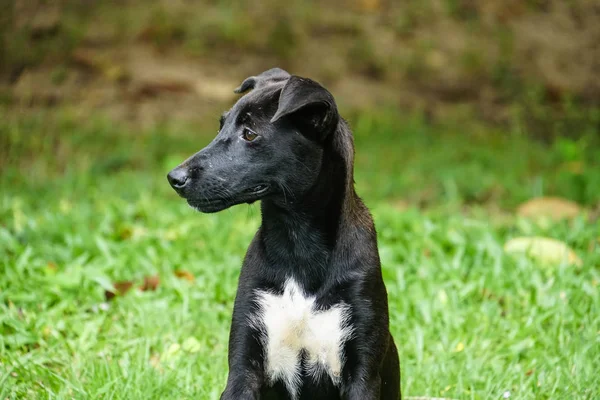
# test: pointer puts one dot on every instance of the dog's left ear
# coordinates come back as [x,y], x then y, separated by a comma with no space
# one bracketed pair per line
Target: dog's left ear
[308,104]
[269,76]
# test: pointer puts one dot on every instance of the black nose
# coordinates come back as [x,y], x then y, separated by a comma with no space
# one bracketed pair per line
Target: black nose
[178,178]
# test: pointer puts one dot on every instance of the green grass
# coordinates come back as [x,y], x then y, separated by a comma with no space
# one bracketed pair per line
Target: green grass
[86,203]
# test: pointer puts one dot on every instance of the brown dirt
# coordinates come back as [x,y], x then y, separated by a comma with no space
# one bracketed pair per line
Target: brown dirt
[435,61]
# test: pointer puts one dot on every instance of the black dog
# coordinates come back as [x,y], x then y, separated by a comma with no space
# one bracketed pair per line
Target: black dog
[310,319]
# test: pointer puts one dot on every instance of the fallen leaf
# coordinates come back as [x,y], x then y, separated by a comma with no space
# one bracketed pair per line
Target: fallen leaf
[150,283]
[171,352]
[108,295]
[554,208]
[123,286]
[191,345]
[460,346]
[544,250]
[120,288]
[184,275]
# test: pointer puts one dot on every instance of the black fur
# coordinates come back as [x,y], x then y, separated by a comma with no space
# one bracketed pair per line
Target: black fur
[315,229]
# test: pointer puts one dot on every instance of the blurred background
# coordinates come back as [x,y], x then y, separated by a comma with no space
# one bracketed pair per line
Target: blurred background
[158,72]
[477,133]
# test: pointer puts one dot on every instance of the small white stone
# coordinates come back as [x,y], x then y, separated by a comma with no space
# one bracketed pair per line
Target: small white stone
[506,394]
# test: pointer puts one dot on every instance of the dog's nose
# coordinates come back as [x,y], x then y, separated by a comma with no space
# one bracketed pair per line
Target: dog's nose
[178,178]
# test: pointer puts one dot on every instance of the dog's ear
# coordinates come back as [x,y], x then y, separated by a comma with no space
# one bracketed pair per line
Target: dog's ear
[270,76]
[309,104]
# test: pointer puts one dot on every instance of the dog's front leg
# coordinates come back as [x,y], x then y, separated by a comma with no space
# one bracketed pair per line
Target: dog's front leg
[367,389]
[246,374]
[236,391]
[371,370]
[374,374]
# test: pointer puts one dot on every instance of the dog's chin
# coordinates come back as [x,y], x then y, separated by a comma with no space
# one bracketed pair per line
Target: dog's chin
[212,205]
[209,207]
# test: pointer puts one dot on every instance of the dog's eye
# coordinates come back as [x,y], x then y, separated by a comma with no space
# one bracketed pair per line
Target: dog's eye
[248,135]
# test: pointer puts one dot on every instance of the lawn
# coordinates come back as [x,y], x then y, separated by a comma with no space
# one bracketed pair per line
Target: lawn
[84,204]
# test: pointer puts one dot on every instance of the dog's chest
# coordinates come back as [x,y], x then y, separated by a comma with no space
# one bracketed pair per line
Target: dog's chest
[292,325]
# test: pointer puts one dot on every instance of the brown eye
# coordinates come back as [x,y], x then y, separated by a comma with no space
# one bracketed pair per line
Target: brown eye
[248,135]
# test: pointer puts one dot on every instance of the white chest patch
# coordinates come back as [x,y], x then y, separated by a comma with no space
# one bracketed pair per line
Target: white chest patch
[291,324]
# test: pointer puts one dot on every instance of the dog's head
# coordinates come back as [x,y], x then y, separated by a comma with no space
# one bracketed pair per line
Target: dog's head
[269,144]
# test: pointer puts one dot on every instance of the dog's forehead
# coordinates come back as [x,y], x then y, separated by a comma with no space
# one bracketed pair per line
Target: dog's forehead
[261,101]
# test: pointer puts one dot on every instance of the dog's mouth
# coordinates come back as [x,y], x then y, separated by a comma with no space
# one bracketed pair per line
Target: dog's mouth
[257,190]
[211,205]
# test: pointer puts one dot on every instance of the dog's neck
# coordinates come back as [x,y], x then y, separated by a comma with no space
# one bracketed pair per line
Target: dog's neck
[301,234]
